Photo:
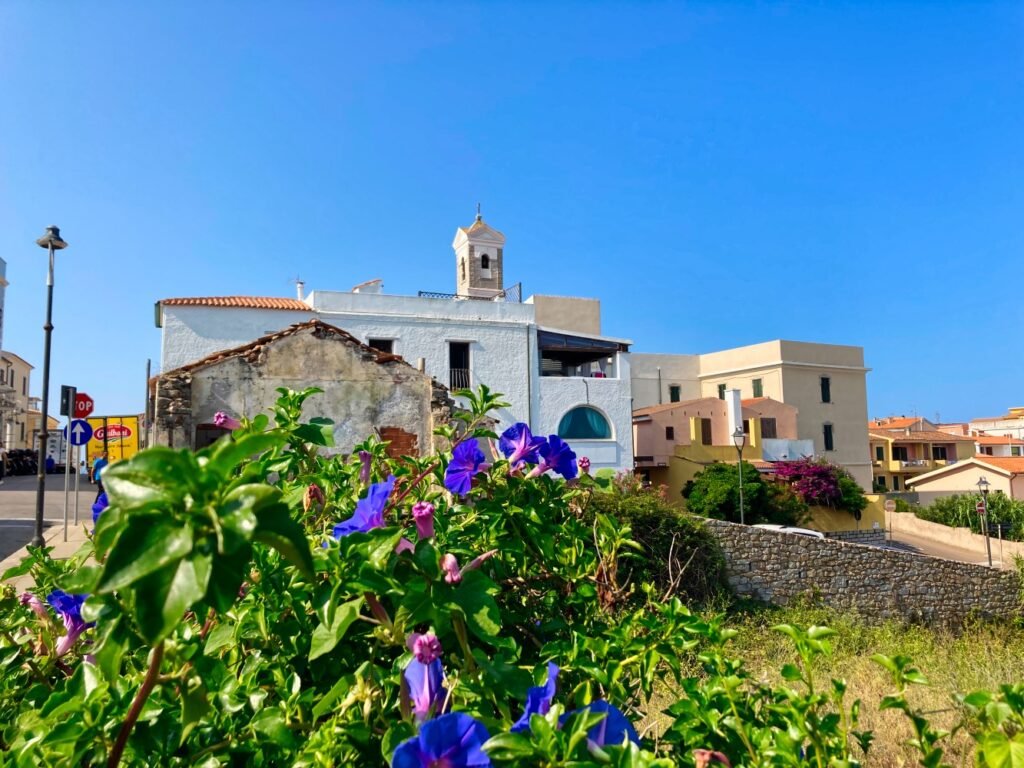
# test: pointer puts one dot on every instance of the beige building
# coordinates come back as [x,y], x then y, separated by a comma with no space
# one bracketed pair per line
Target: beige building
[15,377]
[1005,474]
[904,447]
[826,383]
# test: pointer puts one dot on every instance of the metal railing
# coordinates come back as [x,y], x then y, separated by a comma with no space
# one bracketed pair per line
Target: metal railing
[512,295]
[459,378]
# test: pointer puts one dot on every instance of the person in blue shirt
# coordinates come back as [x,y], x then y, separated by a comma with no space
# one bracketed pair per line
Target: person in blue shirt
[97,471]
[51,464]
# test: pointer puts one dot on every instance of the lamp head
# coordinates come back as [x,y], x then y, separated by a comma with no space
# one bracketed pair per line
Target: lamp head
[983,485]
[739,437]
[52,238]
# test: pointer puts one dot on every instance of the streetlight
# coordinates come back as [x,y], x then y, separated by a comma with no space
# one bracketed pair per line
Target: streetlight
[52,242]
[983,485]
[739,439]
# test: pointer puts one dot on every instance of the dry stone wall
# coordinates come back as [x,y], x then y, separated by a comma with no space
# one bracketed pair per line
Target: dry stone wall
[877,583]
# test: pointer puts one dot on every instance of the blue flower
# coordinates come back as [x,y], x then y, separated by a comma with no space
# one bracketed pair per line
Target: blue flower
[519,445]
[452,741]
[425,684]
[613,729]
[369,512]
[467,460]
[69,609]
[101,504]
[538,700]
[556,454]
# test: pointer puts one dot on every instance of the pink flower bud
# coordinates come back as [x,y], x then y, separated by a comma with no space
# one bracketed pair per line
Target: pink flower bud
[426,647]
[35,604]
[404,545]
[423,514]
[450,566]
[312,496]
[584,464]
[364,472]
[221,419]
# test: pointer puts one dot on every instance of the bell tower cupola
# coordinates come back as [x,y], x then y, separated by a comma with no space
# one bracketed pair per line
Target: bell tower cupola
[479,256]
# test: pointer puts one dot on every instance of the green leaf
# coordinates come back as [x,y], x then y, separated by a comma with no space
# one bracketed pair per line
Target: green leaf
[194,706]
[270,723]
[275,528]
[221,636]
[237,514]
[155,477]
[791,672]
[230,453]
[82,581]
[143,547]
[482,614]
[999,751]
[110,646]
[508,746]
[163,597]
[319,431]
[226,578]
[326,637]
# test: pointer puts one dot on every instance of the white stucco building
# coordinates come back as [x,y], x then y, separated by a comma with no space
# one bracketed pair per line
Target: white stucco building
[546,355]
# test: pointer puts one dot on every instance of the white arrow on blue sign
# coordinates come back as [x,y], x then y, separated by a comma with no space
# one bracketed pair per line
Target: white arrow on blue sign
[81,432]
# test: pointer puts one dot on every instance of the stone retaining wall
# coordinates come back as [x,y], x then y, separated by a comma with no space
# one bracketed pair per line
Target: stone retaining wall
[872,537]
[877,583]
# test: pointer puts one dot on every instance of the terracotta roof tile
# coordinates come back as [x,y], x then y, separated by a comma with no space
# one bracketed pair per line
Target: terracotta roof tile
[996,440]
[895,422]
[648,410]
[247,302]
[918,436]
[1012,464]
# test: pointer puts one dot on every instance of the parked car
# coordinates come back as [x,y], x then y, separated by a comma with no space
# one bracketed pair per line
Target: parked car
[791,529]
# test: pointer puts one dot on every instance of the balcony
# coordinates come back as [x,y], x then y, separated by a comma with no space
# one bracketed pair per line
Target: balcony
[458,378]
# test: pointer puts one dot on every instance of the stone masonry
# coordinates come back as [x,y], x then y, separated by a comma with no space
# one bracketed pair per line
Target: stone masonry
[876,583]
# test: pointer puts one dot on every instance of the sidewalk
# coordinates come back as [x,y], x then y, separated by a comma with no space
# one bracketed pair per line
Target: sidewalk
[17,518]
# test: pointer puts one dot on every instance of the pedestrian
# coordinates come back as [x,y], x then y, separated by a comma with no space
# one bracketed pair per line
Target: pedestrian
[3,462]
[97,470]
[51,464]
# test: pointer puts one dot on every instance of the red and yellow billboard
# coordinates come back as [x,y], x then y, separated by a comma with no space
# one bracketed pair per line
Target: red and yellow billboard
[117,435]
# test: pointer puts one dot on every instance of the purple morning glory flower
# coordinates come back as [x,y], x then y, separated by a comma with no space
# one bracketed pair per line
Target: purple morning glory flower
[613,730]
[425,685]
[423,516]
[519,445]
[101,503]
[555,454]
[69,609]
[467,460]
[369,512]
[450,741]
[538,700]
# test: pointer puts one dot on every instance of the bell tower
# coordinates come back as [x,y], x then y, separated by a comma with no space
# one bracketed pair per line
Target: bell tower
[479,255]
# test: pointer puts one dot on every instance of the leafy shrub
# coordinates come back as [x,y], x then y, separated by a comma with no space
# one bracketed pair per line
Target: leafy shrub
[678,555]
[960,511]
[714,492]
[258,604]
[823,484]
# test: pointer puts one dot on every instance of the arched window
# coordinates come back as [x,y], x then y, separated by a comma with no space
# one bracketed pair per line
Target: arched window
[584,423]
[485,262]
[463,269]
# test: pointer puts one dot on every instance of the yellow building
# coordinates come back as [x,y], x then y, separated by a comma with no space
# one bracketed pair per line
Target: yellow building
[15,374]
[904,447]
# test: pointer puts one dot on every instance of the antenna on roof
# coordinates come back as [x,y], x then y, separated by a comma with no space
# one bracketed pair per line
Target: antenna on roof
[479,217]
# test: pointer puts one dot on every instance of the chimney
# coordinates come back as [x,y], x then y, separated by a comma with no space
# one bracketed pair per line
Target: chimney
[300,288]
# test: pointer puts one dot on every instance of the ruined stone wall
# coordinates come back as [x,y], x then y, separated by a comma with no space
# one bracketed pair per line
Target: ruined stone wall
[172,411]
[877,583]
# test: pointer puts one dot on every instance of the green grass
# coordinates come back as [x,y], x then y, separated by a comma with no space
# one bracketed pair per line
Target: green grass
[981,655]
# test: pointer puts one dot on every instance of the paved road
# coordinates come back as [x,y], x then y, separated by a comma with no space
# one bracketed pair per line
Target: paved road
[911,543]
[18,507]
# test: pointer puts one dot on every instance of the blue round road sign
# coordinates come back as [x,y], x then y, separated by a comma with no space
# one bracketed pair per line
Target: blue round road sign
[81,432]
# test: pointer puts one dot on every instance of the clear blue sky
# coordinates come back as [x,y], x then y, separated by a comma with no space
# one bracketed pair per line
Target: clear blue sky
[717,174]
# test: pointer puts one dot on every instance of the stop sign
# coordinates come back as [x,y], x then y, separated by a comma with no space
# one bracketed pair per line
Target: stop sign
[981,507]
[83,405]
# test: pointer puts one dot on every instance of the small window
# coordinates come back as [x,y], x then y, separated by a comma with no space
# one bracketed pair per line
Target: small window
[826,389]
[988,451]
[895,482]
[463,269]
[584,423]
[879,453]
[758,387]
[670,433]
[705,431]
[768,428]
[485,262]
[829,442]
[382,345]
[938,453]
[458,364]
[1015,450]
[24,385]
[673,393]
[880,482]
[746,427]
[721,393]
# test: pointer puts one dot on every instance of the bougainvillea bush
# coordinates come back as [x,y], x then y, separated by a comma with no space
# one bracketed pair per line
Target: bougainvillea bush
[259,603]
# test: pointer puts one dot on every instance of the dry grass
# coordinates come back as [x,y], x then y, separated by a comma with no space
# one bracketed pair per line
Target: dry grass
[978,656]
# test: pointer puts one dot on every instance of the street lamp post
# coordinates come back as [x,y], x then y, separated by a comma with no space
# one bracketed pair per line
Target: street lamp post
[983,485]
[739,439]
[52,242]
